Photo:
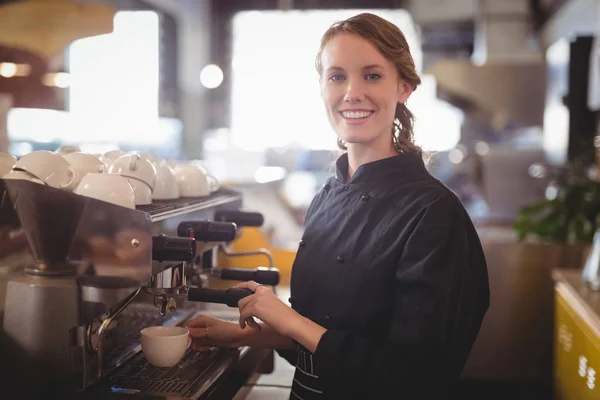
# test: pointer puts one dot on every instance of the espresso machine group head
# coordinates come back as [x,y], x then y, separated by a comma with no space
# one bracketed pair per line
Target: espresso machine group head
[268,275]
[200,238]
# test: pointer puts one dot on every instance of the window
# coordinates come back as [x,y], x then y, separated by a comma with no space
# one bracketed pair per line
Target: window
[275,90]
[275,93]
[115,77]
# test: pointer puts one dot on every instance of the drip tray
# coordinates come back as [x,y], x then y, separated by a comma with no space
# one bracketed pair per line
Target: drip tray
[139,376]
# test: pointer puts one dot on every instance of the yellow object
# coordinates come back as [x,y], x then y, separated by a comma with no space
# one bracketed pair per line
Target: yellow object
[576,352]
[47,27]
[253,239]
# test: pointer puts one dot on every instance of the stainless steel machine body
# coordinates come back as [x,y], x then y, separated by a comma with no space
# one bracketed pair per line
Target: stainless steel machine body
[59,237]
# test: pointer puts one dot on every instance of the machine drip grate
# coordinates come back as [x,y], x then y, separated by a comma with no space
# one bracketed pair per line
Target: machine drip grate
[139,376]
[165,206]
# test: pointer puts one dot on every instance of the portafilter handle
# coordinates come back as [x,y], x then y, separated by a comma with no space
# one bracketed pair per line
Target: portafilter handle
[262,275]
[230,296]
[207,231]
[168,248]
[240,218]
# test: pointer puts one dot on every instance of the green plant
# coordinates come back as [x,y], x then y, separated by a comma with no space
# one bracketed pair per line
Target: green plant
[569,217]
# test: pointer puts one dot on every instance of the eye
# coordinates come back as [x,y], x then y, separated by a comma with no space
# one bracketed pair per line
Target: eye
[338,77]
[372,77]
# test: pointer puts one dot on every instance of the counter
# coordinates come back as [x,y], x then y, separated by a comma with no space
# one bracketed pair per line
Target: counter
[576,338]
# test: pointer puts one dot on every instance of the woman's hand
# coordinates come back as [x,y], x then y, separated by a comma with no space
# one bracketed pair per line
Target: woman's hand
[267,307]
[207,332]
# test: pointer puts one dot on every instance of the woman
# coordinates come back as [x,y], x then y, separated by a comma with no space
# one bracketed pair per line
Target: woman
[389,285]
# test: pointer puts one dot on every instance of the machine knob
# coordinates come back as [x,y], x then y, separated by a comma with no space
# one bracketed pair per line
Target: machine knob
[208,231]
[168,248]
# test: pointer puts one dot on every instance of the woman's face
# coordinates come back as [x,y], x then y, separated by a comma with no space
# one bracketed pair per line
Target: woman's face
[360,89]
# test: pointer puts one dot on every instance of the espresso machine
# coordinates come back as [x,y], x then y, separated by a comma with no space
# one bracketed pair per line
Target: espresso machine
[92,274]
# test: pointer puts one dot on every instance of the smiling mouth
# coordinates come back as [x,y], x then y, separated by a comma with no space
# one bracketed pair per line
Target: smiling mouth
[356,116]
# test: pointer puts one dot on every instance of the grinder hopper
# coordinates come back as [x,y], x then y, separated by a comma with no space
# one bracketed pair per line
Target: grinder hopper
[63,229]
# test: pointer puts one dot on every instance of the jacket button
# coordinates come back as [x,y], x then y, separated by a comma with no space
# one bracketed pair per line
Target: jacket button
[328,317]
[291,300]
[340,258]
[366,197]
[302,243]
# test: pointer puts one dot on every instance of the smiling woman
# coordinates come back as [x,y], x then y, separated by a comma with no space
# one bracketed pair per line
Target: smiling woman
[365,99]
[389,285]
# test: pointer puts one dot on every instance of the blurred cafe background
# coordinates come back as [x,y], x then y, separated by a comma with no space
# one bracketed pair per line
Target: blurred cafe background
[509,112]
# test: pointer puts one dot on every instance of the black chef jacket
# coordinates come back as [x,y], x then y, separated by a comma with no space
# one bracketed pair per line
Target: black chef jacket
[391,265]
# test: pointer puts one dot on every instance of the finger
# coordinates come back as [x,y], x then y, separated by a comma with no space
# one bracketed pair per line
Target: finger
[245,310]
[253,324]
[245,301]
[248,285]
[198,322]
[198,333]
[247,318]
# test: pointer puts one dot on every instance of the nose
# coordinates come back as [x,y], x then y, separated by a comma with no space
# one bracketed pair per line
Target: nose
[354,91]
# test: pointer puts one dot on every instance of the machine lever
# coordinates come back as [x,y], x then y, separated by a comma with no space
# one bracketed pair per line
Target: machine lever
[262,275]
[230,296]
[240,218]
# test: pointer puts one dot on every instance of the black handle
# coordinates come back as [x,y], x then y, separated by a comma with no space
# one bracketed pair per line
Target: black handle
[168,248]
[262,275]
[207,231]
[229,296]
[240,218]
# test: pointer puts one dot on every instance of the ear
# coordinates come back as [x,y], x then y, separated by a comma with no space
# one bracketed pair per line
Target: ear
[405,89]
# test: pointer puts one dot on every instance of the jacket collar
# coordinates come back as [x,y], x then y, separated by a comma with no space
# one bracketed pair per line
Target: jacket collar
[401,164]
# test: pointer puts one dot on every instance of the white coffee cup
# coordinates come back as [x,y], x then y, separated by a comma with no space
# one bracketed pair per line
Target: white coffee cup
[194,181]
[51,168]
[166,187]
[165,346]
[22,175]
[107,187]
[67,149]
[7,162]
[135,166]
[142,192]
[110,156]
[85,163]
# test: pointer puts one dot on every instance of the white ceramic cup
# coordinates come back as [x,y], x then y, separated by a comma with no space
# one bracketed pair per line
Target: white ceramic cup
[142,192]
[85,163]
[166,187]
[165,346]
[110,156]
[64,150]
[51,168]
[194,181]
[23,175]
[135,166]
[7,162]
[107,187]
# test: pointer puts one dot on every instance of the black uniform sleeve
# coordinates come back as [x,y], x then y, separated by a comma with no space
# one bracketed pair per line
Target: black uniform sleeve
[441,296]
